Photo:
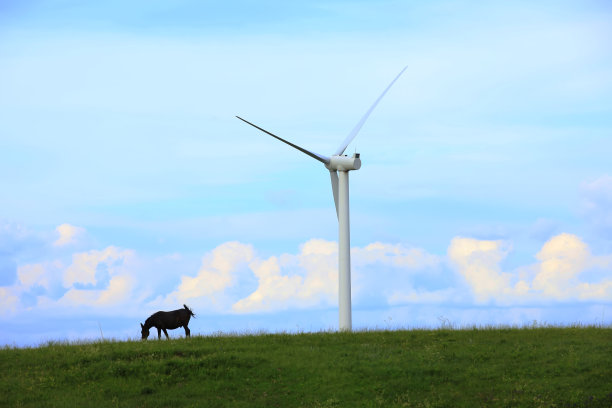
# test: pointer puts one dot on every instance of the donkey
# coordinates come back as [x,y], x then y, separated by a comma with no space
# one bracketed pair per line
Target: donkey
[167,320]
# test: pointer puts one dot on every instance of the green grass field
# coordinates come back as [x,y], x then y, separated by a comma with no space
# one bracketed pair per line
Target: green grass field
[498,367]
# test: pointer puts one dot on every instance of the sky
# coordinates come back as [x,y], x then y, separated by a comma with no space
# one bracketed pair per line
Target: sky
[128,185]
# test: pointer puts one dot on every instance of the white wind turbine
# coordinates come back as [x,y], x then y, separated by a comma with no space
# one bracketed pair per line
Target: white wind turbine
[340,163]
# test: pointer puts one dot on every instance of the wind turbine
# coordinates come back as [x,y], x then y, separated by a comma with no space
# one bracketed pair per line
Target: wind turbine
[339,165]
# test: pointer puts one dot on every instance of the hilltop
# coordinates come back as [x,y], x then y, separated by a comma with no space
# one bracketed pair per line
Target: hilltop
[498,367]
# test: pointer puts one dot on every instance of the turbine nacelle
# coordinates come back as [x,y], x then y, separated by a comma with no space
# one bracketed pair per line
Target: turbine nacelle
[344,163]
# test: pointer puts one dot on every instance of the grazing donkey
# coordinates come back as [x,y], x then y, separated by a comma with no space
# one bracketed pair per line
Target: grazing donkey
[167,320]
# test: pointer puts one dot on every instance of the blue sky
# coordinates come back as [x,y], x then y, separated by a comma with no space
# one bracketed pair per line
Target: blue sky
[128,185]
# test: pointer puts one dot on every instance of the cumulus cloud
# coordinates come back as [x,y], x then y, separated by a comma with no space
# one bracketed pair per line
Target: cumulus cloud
[562,260]
[67,235]
[8,301]
[93,267]
[380,273]
[102,278]
[555,277]
[117,292]
[307,279]
[30,275]
[98,278]
[220,270]
[234,278]
[478,262]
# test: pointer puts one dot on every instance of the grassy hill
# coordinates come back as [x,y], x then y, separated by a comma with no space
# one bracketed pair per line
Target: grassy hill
[532,367]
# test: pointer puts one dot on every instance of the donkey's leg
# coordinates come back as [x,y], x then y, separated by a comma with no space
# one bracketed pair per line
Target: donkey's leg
[166,333]
[187,331]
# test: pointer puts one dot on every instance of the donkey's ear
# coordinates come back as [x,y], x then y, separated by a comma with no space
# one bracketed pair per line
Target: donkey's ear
[141,326]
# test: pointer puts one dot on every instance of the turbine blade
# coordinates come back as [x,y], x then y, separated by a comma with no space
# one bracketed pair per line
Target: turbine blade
[359,124]
[319,157]
[334,182]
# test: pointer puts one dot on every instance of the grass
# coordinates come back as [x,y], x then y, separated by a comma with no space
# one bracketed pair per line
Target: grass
[497,367]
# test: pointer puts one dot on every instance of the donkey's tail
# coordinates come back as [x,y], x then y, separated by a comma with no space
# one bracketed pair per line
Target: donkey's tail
[189,310]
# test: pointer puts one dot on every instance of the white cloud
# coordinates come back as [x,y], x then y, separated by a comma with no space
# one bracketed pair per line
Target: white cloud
[307,279]
[233,278]
[117,292]
[220,270]
[68,235]
[310,278]
[562,259]
[34,274]
[102,278]
[555,277]
[478,262]
[9,302]
[85,265]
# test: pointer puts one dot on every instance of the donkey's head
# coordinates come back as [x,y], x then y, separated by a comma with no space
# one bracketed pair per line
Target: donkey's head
[144,331]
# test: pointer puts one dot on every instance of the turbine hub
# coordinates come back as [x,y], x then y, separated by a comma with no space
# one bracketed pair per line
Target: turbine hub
[344,163]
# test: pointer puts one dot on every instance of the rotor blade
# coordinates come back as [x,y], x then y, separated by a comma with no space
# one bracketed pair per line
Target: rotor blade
[334,182]
[319,157]
[358,126]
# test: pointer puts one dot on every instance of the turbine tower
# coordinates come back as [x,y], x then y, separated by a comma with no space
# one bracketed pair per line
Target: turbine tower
[339,165]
